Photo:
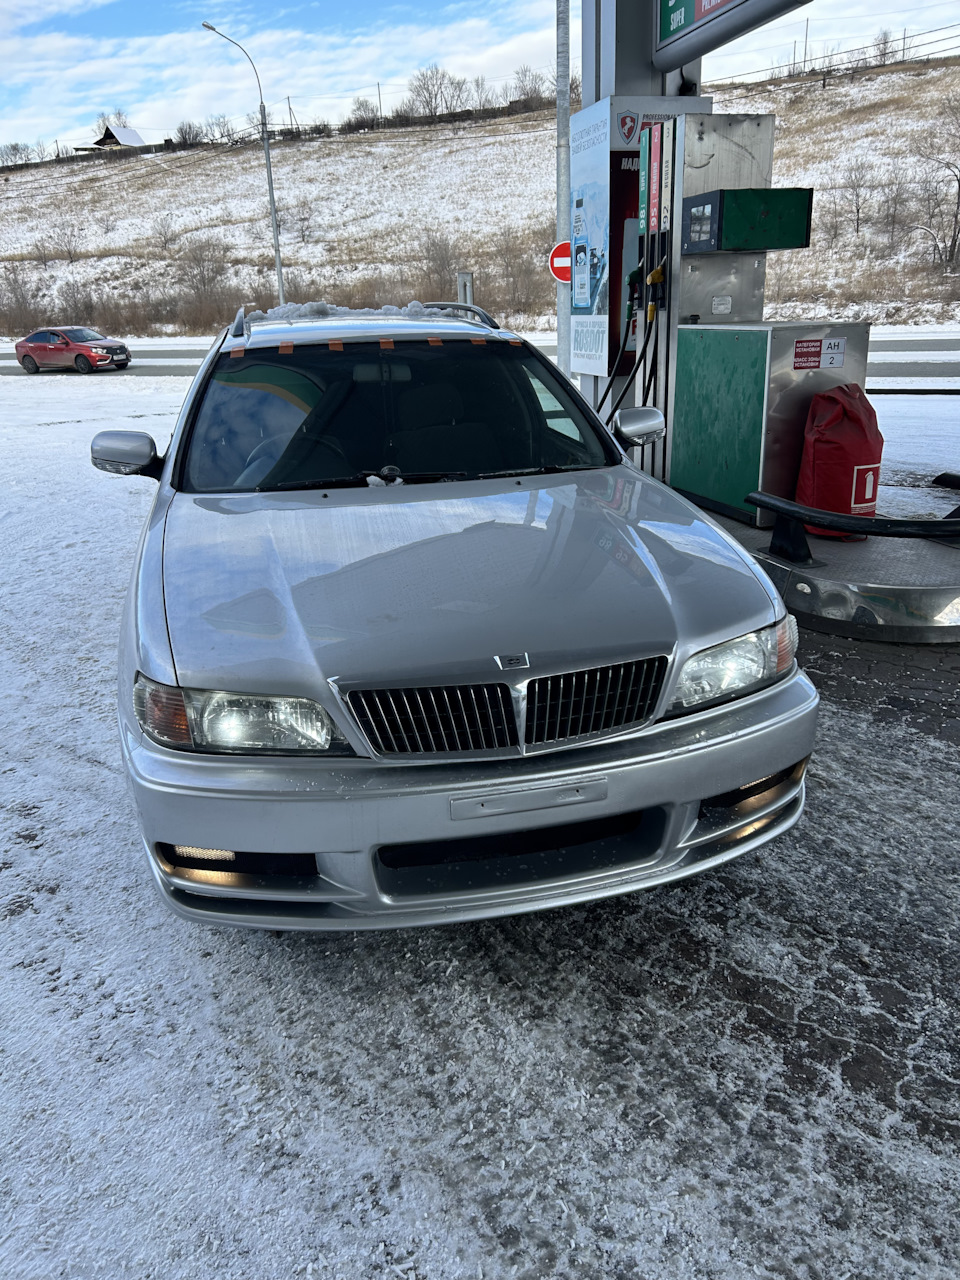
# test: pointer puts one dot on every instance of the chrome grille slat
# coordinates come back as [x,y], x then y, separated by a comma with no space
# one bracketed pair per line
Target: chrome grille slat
[439,720]
[600,700]
[446,719]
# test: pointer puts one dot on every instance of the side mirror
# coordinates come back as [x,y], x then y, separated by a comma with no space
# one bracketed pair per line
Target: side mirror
[638,426]
[126,453]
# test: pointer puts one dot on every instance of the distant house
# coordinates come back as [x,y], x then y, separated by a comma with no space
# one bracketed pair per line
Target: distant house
[115,136]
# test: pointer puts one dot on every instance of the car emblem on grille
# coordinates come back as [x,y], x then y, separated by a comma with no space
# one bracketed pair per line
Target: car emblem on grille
[512,661]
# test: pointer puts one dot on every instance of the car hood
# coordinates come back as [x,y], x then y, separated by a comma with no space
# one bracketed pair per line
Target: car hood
[432,583]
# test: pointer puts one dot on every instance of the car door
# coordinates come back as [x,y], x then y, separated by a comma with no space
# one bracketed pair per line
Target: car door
[59,350]
[37,346]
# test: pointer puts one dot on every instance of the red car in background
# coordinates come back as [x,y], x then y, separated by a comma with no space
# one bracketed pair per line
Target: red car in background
[74,347]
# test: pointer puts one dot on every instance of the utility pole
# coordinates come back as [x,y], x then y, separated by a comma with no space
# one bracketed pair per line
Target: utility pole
[265,138]
[563,176]
[380,104]
[806,36]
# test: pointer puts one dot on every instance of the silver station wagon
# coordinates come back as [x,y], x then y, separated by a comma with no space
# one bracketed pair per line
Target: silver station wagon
[411,640]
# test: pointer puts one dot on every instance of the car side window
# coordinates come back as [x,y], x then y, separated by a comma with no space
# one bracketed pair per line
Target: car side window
[554,414]
[564,440]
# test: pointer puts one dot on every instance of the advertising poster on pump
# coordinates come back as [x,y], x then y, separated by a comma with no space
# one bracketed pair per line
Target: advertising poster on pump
[590,237]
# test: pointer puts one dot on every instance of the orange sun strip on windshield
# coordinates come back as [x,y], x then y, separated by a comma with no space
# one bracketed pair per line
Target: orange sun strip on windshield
[515,342]
[286,348]
[479,342]
[386,344]
[435,342]
[336,344]
[237,351]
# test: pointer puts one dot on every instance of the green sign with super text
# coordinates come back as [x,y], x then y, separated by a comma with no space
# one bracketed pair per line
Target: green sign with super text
[690,28]
[675,16]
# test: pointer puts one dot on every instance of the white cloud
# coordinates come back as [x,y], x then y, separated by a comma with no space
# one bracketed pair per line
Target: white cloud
[56,84]
[14,15]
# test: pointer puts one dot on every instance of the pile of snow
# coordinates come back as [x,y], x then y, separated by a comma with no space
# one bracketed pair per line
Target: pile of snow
[291,312]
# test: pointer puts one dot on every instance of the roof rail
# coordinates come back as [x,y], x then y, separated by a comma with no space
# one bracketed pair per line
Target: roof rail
[468,308]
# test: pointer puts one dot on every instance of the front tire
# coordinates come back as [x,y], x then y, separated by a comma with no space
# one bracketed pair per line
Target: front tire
[30,364]
[83,365]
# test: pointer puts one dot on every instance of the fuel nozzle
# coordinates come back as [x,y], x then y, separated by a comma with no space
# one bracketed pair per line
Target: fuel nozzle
[655,282]
[658,274]
[634,284]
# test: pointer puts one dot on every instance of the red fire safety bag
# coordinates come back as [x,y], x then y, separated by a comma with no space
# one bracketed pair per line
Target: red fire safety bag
[842,445]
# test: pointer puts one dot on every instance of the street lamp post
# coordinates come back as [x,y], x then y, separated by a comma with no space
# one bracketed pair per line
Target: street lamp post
[266,152]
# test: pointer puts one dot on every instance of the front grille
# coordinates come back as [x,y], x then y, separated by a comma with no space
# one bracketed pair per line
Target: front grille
[596,701]
[440,719]
[437,720]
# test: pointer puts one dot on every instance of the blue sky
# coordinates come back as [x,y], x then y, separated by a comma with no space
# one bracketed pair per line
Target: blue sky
[67,60]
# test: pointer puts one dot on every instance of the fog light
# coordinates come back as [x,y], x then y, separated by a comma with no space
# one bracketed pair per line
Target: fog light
[211,855]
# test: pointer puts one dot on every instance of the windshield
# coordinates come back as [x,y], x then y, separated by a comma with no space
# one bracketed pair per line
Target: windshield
[428,409]
[83,335]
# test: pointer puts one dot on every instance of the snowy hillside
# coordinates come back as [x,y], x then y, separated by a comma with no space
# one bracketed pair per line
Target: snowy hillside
[143,243]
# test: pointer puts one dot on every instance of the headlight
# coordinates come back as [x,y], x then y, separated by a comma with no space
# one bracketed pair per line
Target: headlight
[736,667]
[100,351]
[239,723]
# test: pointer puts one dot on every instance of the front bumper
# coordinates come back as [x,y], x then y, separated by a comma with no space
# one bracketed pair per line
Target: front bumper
[404,845]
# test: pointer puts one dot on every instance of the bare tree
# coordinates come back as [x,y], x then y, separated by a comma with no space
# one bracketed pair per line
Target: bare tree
[830,215]
[884,48]
[404,113]
[164,230]
[107,119]
[202,265]
[364,114]
[14,153]
[189,133]
[70,236]
[40,251]
[529,86]
[426,90]
[253,123]
[19,298]
[41,151]
[439,261]
[894,201]
[220,129]
[939,187]
[454,93]
[76,300]
[855,184]
[302,215]
[481,96]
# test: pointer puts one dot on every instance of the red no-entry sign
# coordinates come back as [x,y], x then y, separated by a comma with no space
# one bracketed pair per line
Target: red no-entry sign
[560,262]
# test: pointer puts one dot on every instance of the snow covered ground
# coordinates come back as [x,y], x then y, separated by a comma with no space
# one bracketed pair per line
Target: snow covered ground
[752,1074]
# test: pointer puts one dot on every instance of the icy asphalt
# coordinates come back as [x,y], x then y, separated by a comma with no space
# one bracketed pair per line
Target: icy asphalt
[752,1074]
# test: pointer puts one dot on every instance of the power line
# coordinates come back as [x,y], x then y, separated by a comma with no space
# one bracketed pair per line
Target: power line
[850,53]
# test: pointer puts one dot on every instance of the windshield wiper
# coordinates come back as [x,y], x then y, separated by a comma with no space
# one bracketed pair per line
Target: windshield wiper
[337,482]
[553,469]
[418,477]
